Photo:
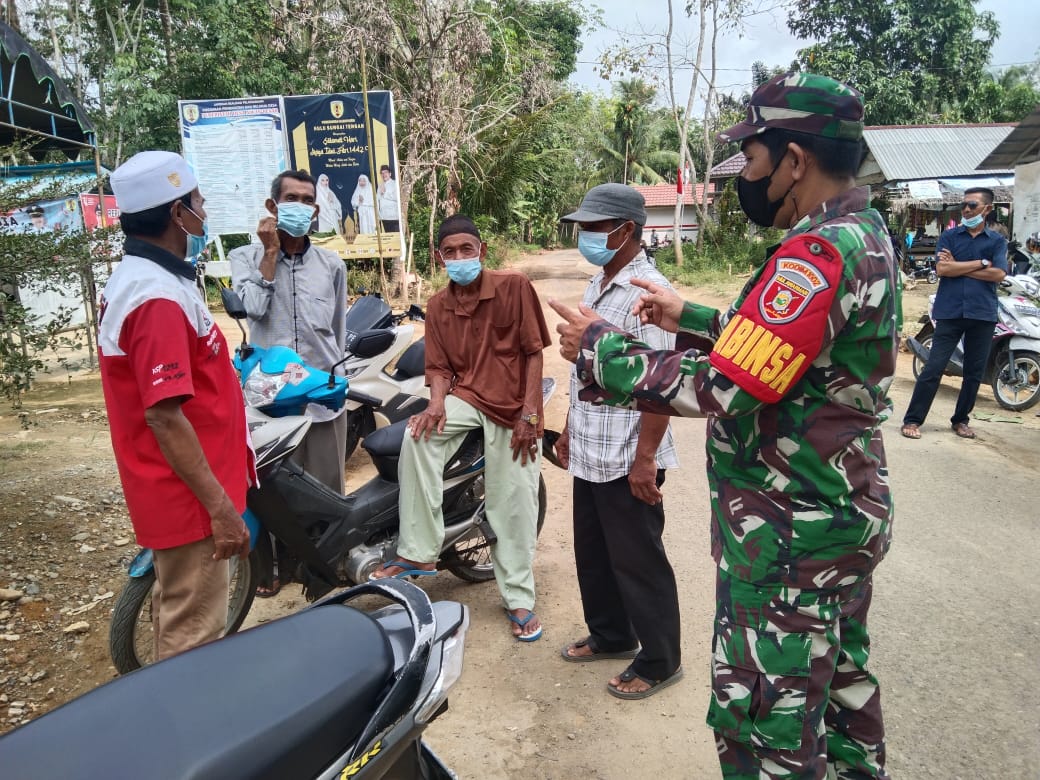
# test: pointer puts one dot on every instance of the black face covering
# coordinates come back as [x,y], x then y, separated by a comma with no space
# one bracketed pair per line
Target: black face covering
[755,200]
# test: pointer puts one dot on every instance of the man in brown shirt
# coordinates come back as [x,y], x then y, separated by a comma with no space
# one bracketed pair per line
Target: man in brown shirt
[484,339]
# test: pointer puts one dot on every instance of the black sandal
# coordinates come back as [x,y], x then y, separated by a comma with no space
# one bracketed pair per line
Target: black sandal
[597,655]
[628,676]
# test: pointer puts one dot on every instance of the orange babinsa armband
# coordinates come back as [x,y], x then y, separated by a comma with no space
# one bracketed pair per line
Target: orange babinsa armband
[777,333]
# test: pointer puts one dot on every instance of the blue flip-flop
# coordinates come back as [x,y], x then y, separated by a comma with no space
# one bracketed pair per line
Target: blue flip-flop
[525,637]
[408,571]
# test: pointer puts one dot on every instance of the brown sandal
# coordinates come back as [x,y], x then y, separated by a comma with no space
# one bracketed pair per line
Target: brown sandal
[911,431]
[962,430]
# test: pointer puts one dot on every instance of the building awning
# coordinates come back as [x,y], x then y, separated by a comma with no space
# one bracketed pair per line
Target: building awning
[1021,146]
[36,106]
[907,153]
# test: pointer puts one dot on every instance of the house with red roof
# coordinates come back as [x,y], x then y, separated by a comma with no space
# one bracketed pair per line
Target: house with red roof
[660,209]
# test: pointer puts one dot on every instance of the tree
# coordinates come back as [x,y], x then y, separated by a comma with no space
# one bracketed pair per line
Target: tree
[913,61]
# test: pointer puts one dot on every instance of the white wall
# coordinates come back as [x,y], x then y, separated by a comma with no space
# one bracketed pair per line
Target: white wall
[1027,200]
[662,219]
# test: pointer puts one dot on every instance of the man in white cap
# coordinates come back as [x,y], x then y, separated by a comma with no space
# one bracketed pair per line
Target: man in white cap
[174,403]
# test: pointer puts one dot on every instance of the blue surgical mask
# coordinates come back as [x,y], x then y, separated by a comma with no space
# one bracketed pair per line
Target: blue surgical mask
[972,222]
[196,244]
[593,246]
[463,271]
[295,218]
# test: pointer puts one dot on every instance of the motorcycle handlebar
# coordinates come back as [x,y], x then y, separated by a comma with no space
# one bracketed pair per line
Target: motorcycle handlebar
[363,398]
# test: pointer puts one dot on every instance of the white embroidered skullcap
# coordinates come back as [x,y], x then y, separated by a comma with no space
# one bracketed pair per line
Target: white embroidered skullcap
[151,179]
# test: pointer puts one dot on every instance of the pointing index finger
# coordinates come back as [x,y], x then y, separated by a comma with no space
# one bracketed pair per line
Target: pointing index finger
[564,311]
[645,284]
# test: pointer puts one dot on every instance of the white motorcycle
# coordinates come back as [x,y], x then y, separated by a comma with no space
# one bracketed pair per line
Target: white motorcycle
[376,340]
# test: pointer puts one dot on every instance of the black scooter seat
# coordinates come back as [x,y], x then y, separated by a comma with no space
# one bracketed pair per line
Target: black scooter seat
[278,701]
[386,442]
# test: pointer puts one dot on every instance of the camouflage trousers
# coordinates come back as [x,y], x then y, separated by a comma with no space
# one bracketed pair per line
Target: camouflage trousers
[791,694]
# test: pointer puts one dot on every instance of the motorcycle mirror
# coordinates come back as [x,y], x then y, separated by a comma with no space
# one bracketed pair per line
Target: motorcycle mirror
[237,311]
[232,303]
[332,371]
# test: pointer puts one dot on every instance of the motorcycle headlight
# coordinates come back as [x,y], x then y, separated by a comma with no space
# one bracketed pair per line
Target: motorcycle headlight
[451,670]
[261,389]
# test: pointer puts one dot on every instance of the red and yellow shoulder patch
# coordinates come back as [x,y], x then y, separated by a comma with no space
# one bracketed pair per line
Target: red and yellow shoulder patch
[777,333]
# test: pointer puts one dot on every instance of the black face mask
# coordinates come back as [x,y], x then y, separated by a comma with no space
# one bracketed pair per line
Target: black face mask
[755,200]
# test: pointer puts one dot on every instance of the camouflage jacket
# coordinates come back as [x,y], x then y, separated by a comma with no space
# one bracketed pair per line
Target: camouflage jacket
[794,380]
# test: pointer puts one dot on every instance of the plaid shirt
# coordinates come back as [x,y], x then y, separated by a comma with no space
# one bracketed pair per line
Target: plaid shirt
[603,438]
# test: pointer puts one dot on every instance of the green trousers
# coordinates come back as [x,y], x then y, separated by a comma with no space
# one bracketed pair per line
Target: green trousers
[511,495]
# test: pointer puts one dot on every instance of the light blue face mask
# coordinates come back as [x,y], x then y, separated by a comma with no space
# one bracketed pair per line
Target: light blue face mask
[593,246]
[972,222]
[463,271]
[295,218]
[196,244]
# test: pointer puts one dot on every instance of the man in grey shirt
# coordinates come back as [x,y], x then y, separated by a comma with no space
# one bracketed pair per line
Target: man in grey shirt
[296,296]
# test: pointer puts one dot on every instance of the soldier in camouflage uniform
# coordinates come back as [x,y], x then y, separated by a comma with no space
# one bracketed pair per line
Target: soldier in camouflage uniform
[793,379]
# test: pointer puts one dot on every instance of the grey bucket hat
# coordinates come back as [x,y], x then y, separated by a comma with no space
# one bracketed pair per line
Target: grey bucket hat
[610,201]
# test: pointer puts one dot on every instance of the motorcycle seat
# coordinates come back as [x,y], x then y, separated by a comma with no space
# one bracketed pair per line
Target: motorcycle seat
[281,700]
[412,362]
[386,442]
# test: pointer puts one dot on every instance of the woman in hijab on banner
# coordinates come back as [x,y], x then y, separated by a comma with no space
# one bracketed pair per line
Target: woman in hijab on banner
[330,213]
[362,201]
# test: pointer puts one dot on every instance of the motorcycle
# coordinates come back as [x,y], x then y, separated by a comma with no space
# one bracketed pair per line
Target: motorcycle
[1013,365]
[328,692]
[376,339]
[921,267]
[330,539]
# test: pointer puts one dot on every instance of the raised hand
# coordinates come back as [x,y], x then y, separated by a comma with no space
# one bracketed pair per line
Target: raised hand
[572,328]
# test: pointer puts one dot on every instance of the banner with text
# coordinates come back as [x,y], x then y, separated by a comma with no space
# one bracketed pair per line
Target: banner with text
[236,148]
[328,138]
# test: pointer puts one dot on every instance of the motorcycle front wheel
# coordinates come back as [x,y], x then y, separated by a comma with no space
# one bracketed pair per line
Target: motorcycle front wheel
[470,559]
[130,639]
[1017,387]
[918,365]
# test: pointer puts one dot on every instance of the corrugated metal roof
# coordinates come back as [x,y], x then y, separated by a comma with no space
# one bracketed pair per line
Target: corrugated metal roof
[1021,146]
[904,153]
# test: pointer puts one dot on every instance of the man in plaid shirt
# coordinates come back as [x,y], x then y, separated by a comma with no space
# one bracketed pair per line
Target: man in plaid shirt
[618,459]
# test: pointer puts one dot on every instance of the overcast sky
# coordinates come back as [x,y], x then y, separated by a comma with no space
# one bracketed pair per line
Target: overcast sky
[765,37]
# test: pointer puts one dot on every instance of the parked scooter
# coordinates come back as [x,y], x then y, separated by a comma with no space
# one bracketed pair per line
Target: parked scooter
[329,692]
[331,539]
[1013,366]
[376,339]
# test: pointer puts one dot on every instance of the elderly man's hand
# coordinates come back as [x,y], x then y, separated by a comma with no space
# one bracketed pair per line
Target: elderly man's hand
[267,232]
[572,328]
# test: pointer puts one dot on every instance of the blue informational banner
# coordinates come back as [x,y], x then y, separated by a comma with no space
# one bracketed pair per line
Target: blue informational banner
[236,148]
[327,137]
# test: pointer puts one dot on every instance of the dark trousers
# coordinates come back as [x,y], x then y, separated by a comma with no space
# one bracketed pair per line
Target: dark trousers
[391,225]
[978,336]
[627,585]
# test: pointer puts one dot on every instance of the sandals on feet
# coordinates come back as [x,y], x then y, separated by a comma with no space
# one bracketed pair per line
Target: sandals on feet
[594,654]
[910,431]
[534,636]
[407,570]
[962,430]
[265,592]
[655,685]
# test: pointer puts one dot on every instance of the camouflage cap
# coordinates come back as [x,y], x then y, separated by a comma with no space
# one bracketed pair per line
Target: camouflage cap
[803,102]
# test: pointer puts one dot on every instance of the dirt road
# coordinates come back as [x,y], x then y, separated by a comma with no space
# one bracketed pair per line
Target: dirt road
[953,620]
